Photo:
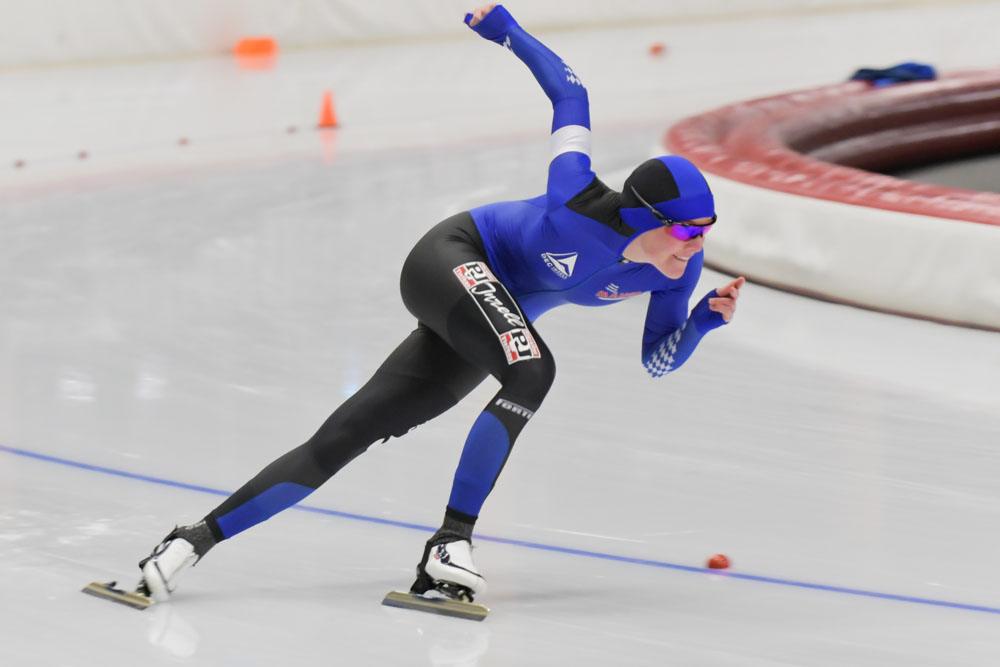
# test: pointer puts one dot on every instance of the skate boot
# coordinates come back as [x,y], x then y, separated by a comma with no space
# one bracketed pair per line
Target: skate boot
[447,568]
[170,557]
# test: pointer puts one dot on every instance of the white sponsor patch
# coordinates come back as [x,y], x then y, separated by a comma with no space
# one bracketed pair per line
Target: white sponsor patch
[500,310]
[561,263]
[519,345]
[473,273]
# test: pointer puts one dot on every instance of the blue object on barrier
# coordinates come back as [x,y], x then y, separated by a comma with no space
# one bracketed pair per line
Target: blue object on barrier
[898,74]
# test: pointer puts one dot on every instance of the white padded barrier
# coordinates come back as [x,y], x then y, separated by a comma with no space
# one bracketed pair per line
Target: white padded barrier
[897,262]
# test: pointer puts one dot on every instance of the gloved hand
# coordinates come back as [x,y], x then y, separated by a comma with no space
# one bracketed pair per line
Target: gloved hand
[717,307]
[491,21]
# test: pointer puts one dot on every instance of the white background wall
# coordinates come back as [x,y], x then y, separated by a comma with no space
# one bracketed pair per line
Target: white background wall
[58,31]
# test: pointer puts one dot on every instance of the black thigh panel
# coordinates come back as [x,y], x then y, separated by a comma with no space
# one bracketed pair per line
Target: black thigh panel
[446,283]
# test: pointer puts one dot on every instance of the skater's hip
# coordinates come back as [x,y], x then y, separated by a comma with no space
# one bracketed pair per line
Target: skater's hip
[430,279]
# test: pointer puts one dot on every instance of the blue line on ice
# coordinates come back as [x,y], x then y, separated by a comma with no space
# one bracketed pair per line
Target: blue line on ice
[521,543]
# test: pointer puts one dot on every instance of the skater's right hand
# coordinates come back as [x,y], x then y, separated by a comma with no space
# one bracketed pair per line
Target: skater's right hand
[479,13]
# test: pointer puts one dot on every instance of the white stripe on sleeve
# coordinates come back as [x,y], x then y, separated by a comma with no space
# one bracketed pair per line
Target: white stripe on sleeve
[570,139]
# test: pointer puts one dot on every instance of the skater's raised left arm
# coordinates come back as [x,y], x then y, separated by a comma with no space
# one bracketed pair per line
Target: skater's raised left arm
[569,169]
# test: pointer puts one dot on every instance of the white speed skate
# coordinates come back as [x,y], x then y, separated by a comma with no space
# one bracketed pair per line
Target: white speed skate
[162,567]
[447,580]
[448,568]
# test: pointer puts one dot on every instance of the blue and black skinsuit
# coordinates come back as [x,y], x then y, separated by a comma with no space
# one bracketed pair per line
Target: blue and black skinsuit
[477,281]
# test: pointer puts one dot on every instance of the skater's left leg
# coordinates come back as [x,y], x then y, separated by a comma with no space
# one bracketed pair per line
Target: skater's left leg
[447,282]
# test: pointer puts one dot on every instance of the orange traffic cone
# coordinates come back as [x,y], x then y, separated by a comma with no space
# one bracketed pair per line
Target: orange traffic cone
[327,118]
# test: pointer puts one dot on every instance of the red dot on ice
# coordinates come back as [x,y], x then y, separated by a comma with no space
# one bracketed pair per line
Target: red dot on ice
[718,562]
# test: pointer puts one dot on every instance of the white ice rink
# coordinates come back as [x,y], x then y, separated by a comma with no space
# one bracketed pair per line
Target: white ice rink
[174,317]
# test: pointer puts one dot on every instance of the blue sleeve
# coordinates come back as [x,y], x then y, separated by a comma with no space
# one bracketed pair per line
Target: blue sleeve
[569,170]
[671,335]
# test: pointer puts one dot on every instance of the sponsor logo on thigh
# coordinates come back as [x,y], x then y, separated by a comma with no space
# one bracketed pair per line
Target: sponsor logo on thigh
[500,310]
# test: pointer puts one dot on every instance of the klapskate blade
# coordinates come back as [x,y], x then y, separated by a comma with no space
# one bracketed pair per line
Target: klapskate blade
[443,606]
[109,592]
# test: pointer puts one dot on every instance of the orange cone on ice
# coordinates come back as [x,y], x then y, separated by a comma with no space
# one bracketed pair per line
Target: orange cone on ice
[327,117]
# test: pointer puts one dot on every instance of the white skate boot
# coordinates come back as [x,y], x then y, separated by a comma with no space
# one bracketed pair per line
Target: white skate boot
[448,568]
[162,567]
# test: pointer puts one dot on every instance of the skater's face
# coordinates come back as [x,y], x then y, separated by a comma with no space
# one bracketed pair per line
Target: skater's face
[661,247]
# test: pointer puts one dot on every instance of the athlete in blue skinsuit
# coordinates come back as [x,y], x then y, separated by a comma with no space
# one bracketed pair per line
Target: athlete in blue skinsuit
[476,282]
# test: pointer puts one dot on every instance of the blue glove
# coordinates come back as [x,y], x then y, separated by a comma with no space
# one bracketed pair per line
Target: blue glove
[495,25]
[704,318]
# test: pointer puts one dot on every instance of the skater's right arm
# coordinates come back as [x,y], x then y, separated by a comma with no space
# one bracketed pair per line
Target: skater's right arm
[569,170]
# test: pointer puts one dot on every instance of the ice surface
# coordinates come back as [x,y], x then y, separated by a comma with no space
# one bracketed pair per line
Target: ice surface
[189,313]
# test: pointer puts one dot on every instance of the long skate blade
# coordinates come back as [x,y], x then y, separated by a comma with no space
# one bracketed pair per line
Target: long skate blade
[109,592]
[443,606]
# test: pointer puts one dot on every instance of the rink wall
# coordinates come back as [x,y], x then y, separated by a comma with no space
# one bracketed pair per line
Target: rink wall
[795,219]
[67,31]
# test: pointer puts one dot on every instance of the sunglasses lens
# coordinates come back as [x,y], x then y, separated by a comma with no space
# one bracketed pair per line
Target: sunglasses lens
[687,232]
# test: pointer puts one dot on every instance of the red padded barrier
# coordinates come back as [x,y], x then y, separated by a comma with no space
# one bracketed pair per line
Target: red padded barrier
[783,142]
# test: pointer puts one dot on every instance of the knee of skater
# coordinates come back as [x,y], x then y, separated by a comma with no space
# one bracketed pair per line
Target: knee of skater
[531,379]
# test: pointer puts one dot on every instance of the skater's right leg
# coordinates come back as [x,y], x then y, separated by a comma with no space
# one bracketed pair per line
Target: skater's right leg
[422,378]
